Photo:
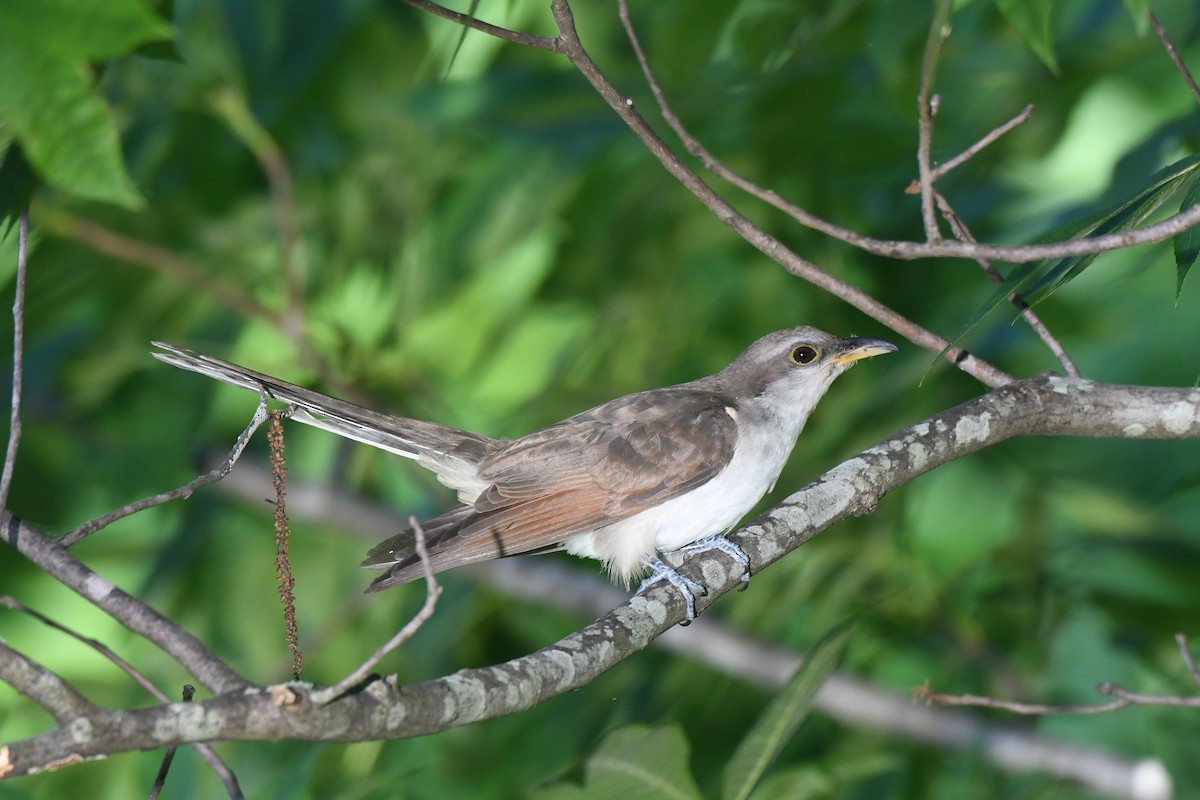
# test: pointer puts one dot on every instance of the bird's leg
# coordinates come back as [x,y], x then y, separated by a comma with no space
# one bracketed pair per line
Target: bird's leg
[726,546]
[686,586]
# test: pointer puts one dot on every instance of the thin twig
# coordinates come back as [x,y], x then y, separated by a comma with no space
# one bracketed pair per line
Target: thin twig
[182,492]
[231,107]
[14,425]
[206,752]
[939,29]
[1174,54]
[962,232]
[57,562]
[109,242]
[169,757]
[1124,699]
[432,591]
[1020,119]
[1186,653]
[791,261]
[528,39]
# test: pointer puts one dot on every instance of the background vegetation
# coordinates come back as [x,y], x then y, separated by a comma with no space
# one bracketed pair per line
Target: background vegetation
[356,196]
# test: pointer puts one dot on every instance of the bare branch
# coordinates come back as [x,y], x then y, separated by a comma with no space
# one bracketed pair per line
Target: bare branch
[14,424]
[207,753]
[1186,654]
[910,251]
[962,232]
[119,246]
[1175,57]
[1125,699]
[945,167]
[230,105]
[432,592]
[43,687]
[1043,406]
[540,42]
[939,30]
[135,615]
[180,493]
[169,757]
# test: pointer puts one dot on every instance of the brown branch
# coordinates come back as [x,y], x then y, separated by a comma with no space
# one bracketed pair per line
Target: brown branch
[119,246]
[14,423]
[169,757]
[962,232]
[56,561]
[939,30]
[1175,57]
[180,493]
[1124,699]
[942,169]
[43,687]
[1043,406]
[432,592]
[231,107]
[903,250]
[754,235]
[1186,654]
[528,39]
[206,752]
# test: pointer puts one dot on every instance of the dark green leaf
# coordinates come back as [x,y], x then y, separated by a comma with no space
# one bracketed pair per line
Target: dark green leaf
[637,761]
[1187,244]
[759,749]
[1031,19]
[47,92]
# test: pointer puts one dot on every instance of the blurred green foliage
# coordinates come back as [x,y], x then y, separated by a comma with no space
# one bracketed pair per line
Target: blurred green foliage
[482,243]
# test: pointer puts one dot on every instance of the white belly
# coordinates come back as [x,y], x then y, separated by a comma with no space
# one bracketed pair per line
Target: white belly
[716,507]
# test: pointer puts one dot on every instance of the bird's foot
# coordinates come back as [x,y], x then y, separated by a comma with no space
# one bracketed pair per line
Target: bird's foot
[686,586]
[726,546]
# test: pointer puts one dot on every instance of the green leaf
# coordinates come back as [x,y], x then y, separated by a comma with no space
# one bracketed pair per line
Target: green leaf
[779,721]
[1038,280]
[1122,217]
[1031,19]
[47,88]
[1139,10]
[636,761]
[1187,244]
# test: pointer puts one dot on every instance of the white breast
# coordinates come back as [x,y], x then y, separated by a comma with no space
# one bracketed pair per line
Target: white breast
[716,507]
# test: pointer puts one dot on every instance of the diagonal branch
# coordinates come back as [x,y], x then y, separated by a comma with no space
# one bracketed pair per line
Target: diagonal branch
[1045,406]
[1027,313]
[939,30]
[135,615]
[180,493]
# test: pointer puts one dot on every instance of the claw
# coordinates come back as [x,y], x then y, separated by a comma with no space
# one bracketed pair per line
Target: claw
[686,586]
[726,546]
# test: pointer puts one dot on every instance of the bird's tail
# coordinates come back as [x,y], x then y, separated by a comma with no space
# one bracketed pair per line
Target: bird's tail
[450,452]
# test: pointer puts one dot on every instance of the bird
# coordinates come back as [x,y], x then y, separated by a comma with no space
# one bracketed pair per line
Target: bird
[648,473]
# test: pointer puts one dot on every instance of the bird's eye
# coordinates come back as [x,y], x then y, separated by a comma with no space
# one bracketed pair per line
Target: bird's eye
[804,354]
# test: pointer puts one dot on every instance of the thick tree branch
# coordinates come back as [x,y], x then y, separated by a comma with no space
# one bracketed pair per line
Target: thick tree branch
[1045,406]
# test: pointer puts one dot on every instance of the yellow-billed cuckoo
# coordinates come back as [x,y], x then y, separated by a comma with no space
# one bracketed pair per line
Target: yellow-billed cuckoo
[643,474]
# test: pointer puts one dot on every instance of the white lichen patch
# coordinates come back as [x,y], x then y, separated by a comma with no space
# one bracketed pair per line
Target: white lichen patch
[97,588]
[973,429]
[80,729]
[1179,417]
[1134,430]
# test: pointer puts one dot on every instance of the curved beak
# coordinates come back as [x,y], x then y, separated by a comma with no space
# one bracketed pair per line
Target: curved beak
[859,348]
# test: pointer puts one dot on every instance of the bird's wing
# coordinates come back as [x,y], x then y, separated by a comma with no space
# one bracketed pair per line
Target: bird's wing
[575,477]
[452,453]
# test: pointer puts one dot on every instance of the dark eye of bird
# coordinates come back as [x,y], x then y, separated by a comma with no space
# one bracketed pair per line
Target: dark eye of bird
[804,354]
